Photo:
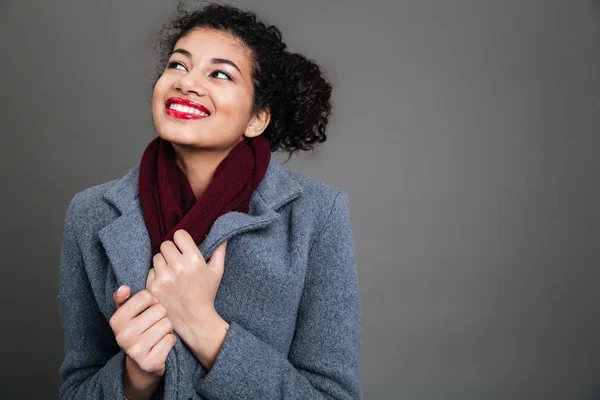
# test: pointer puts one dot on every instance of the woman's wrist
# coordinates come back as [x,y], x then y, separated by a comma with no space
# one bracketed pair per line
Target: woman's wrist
[208,340]
[139,384]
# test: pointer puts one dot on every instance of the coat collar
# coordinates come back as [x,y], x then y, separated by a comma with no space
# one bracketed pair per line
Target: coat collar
[127,242]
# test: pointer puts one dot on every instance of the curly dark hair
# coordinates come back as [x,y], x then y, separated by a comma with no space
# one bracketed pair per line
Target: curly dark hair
[290,85]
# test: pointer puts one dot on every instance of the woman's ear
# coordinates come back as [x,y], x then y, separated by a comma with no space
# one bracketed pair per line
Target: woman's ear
[258,123]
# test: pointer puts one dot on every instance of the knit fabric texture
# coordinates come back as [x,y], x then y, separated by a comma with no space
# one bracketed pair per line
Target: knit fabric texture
[169,203]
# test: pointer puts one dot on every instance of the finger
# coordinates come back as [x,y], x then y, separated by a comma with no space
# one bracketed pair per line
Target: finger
[121,295]
[170,253]
[149,317]
[135,305]
[186,245]
[155,333]
[151,355]
[217,259]
[159,263]
[150,278]
[162,348]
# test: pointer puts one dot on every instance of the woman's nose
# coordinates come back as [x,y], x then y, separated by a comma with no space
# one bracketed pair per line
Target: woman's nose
[190,83]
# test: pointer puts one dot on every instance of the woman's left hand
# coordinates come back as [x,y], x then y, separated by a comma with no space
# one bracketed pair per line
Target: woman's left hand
[187,286]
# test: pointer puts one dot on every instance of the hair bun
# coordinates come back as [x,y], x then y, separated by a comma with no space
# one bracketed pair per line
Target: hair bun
[301,116]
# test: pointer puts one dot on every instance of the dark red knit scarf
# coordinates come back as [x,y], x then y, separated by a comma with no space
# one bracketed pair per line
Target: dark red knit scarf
[167,199]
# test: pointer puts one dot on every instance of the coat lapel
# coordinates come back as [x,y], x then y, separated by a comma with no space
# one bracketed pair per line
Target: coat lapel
[127,242]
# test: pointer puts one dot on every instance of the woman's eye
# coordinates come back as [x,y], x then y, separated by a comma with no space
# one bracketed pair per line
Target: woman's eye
[174,65]
[222,74]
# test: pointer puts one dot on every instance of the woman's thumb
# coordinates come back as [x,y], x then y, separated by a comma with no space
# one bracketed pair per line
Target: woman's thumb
[217,259]
[121,295]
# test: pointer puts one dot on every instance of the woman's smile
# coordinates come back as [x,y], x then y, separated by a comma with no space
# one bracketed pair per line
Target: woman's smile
[185,109]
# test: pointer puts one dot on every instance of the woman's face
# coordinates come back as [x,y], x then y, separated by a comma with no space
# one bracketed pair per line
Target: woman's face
[203,98]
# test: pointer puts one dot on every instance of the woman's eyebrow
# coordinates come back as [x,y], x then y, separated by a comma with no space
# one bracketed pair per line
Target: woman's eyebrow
[214,60]
[226,61]
[182,51]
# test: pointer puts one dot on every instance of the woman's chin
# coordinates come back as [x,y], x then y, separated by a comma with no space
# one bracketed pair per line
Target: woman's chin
[179,138]
[197,140]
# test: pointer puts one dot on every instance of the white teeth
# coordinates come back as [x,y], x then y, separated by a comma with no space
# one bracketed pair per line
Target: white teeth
[186,109]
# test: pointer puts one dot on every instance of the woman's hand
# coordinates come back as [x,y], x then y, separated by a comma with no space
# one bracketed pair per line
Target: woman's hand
[145,334]
[187,286]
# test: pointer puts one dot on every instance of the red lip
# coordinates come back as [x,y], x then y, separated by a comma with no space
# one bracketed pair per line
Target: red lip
[186,102]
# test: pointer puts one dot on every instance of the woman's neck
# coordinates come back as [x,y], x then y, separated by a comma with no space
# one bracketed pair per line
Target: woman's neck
[198,166]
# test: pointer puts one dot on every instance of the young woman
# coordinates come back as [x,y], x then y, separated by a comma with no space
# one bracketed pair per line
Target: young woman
[209,271]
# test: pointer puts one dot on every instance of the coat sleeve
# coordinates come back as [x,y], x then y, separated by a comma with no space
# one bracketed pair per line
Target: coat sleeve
[324,358]
[93,365]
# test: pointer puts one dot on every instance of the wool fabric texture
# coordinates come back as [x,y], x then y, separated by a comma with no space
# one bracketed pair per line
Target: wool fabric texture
[168,201]
[289,292]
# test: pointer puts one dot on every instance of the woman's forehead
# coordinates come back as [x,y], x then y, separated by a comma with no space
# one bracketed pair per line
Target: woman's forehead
[201,40]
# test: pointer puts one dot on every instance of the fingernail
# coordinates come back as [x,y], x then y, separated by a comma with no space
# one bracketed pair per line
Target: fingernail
[120,289]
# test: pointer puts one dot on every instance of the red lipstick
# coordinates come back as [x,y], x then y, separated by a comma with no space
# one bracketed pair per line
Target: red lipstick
[188,103]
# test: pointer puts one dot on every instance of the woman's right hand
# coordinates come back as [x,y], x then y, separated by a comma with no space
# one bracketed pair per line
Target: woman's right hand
[143,331]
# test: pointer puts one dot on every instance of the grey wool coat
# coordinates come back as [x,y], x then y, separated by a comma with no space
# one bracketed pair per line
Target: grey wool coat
[289,292]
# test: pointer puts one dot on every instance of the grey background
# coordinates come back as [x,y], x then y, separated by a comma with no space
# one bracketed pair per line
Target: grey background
[465,132]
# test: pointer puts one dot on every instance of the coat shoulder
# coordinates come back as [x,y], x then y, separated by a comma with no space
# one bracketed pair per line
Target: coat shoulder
[315,190]
[318,197]
[88,207]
